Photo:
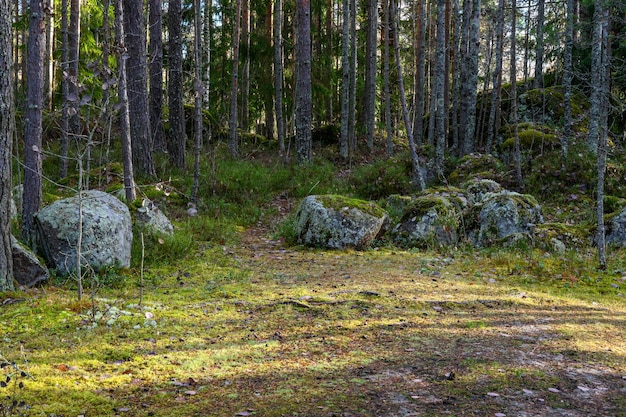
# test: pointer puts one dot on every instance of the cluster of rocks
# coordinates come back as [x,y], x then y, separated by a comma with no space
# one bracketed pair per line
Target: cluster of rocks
[480,213]
[97,223]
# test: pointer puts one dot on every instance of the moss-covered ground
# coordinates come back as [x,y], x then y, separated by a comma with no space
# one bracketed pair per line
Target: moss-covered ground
[226,319]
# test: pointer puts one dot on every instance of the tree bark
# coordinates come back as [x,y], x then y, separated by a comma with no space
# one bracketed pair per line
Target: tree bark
[233,144]
[597,79]
[155,51]
[73,65]
[303,81]
[420,73]
[496,78]
[7,127]
[370,71]
[386,33]
[513,63]
[469,88]
[416,175]
[33,119]
[136,75]
[177,135]
[122,91]
[65,90]
[541,7]
[345,81]
[244,115]
[278,74]
[567,77]
[353,68]
[438,87]
[197,26]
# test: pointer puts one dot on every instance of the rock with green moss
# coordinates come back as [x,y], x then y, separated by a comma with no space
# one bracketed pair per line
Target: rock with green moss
[106,232]
[337,222]
[27,269]
[150,218]
[505,214]
[430,220]
[477,166]
[557,237]
[477,189]
[616,228]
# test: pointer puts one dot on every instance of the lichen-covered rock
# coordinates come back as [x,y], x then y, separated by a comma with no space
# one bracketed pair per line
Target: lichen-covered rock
[27,270]
[150,218]
[505,214]
[477,190]
[616,229]
[106,232]
[337,222]
[430,220]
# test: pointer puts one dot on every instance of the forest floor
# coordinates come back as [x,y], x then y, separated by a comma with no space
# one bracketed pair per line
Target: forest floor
[256,328]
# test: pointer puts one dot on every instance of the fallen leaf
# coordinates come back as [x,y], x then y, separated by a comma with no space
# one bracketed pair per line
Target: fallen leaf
[493,394]
[63,367]
[553,390]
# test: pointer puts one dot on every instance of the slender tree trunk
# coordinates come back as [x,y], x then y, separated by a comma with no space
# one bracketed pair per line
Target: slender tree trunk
[303,81]
[266,76]
[417,176]
[7,127]
[495,92]
[603,11]
[49,80]
[527,40]
[206,37]
[122,91]
[469,96]
[245,67]
[233,144]
[177,135]
[518,156]
[567,78]
[155,51]
[456,77]
[345,81]
[420,73]
[65,90]
[541,7]
[353,69]
[386,11]
[438,87]
[197,42]
[136,76]
[370,71]
[597,79]
[278,74]
[33,119]
[73,65]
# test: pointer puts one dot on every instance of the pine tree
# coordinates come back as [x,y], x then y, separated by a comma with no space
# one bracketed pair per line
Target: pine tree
[177,136]
[303,100]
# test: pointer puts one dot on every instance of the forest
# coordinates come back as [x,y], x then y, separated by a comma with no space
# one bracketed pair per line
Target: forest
[481,144]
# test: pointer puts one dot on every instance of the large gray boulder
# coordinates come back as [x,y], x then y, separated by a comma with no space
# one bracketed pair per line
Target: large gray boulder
[505,216]
[106,232]
[616,229]
[27,270]
[430,221]
[336,222]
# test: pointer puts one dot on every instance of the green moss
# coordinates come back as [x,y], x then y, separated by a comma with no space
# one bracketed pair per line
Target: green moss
[531,139]
[339,202]
[572,235]
[477,166]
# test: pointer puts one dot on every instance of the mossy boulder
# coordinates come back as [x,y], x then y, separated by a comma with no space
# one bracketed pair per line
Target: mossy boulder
[556,237]
[337,222]
[477,189]
[106,232]
[615,224]
[430,220]
[532,140]
[477,166]
[502,215]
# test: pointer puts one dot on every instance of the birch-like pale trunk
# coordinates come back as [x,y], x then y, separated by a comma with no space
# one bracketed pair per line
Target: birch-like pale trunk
[233,142]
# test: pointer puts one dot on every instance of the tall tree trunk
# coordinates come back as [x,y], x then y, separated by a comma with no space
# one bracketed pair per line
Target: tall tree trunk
[155,51]
[345,81]
[567,78]
[417,177]
[370,71]
[177,135]
[245,66]
[233,144]
[266,77]
[456,77]
[65,90]
[206,37]
[278,74]
[49,77]
[33,119]
[420,73]
[136,75]
[496,78]
[541,7]
[597,78]
[7,127]
[603,20]
[471,85]
[386,33]
[122,91]
[513,64]
[197,42]
[438,87]
[303,81]
[74,61]
[353,68]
